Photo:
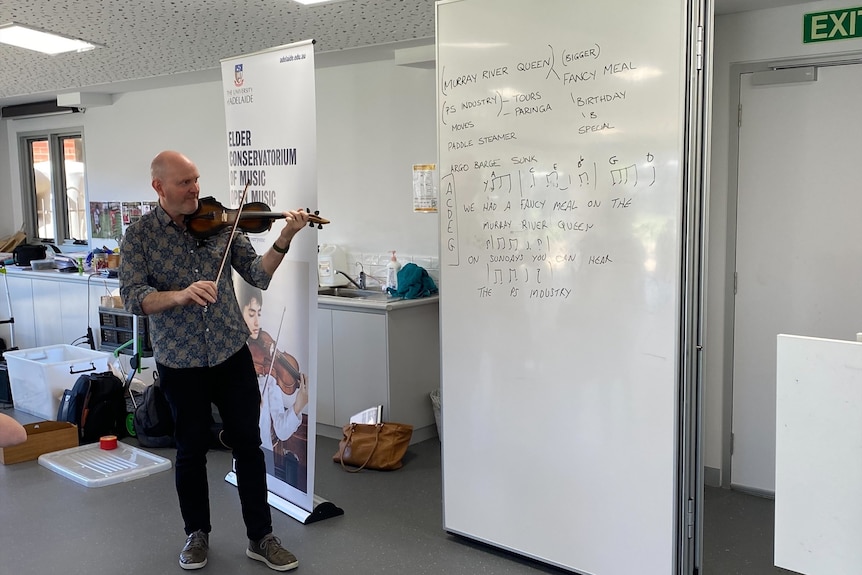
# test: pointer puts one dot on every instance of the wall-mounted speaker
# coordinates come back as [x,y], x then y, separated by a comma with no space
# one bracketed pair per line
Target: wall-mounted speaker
[34,109]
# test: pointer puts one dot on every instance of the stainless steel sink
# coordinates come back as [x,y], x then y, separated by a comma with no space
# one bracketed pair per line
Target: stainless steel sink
[352,292]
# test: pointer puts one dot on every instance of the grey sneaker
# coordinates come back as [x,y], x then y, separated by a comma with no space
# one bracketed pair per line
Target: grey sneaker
[270,551]
[194,554]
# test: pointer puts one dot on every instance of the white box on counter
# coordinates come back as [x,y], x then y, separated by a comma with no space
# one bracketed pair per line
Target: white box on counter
[39,375]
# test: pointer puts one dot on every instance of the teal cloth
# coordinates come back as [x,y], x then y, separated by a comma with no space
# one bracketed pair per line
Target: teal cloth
[413,282]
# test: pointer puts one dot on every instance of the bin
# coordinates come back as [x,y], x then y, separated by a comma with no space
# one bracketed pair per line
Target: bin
[39,375]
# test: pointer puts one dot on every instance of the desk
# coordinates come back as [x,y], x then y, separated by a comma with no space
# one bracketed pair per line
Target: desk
[818,456]
[52,307]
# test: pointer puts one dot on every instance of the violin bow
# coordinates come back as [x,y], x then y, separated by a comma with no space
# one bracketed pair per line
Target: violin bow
[232,232]
[274,349]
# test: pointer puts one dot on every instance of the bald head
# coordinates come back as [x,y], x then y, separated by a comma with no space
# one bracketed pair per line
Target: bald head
[175,180]
[166,162]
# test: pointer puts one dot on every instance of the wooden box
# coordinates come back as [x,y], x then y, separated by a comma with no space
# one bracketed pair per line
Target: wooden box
[42,437]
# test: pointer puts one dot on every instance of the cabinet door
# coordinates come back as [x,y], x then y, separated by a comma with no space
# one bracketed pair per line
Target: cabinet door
[59,311]
[46,311]
[21,295]
[325,377]
[359,363]
[74,304]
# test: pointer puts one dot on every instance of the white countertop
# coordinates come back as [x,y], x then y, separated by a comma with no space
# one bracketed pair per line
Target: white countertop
[323,301]
[58,276]
[391,303]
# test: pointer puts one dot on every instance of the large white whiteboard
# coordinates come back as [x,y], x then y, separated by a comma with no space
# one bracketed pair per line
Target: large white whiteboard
[560,137]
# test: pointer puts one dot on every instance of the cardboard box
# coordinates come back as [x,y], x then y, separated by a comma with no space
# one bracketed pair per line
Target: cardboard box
[42,437]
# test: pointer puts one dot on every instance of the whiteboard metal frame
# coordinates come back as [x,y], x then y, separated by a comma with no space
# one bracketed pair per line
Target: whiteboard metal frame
[691,432]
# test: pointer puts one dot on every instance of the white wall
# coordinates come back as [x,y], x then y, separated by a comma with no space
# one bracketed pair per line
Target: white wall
[122,139]
[375,120]
[745,37]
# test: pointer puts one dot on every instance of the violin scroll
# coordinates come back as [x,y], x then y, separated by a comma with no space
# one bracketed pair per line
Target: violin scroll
[315,219]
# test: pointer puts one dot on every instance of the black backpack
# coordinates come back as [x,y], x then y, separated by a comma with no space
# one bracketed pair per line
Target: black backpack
[154,422]
[97,405]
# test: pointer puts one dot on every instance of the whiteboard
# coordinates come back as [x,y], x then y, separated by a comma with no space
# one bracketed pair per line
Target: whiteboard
[560,135]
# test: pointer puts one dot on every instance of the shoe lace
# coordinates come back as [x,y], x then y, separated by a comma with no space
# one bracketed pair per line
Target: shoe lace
[270,541]
[196,541]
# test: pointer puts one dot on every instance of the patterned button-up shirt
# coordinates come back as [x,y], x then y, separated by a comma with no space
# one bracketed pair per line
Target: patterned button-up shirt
[156,255]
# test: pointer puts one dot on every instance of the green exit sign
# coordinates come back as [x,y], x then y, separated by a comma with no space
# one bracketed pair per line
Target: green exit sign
[832,25]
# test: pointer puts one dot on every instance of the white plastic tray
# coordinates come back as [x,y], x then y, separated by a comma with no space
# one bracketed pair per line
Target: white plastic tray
[92,466]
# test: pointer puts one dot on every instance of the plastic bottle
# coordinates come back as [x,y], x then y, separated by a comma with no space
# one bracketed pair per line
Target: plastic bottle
[392,269]
[330,259]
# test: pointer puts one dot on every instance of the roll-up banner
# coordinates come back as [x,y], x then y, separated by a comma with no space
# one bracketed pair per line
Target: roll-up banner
[272,147]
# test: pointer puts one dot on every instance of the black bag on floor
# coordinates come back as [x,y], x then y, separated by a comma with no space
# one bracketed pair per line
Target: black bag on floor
[97,405]
[154,423]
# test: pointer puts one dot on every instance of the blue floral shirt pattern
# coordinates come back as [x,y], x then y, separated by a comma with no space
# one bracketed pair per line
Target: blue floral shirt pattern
[157,255]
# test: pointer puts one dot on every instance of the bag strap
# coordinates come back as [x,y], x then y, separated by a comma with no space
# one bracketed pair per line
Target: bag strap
[378,427]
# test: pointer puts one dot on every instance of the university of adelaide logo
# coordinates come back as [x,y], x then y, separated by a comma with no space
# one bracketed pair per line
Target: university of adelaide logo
[237,75]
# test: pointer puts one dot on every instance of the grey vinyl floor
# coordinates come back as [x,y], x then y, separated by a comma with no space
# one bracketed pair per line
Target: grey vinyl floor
[392,523]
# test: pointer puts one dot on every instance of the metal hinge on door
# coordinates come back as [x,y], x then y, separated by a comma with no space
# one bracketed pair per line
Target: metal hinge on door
[735,278]
[731,443]
[739,116]
[689,519]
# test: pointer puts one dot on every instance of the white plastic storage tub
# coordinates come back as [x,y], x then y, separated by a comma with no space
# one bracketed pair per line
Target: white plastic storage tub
[39,375]
[92,466]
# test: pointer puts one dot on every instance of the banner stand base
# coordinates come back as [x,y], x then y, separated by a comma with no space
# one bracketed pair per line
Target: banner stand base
[323,509]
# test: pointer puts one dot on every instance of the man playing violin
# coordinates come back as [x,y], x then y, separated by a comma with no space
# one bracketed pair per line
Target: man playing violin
[199,343]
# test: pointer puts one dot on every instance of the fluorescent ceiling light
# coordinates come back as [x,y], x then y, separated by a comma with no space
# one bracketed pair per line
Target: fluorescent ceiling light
[46,42]
[308,2]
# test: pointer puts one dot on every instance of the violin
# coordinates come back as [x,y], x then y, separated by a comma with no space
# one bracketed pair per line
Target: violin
[211,217]
[285,368]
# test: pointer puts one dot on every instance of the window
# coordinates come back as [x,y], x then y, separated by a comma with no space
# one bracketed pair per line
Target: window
[52,173]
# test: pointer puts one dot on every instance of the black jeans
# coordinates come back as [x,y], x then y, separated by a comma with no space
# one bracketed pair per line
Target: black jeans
[232,387]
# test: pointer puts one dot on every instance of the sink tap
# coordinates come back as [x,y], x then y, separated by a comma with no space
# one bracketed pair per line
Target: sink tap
[360,285]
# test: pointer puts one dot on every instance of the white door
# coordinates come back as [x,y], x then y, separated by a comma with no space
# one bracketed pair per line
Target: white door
[798,244]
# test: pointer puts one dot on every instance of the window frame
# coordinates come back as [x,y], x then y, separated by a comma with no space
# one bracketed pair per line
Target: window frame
[60,202]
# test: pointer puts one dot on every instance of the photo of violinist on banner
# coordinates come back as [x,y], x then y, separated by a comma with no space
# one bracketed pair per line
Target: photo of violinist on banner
[284,395]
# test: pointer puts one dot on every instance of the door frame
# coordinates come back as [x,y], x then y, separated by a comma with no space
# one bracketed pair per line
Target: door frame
[736,72]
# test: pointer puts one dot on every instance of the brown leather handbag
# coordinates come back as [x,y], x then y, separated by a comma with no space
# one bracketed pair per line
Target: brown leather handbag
[380,446]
